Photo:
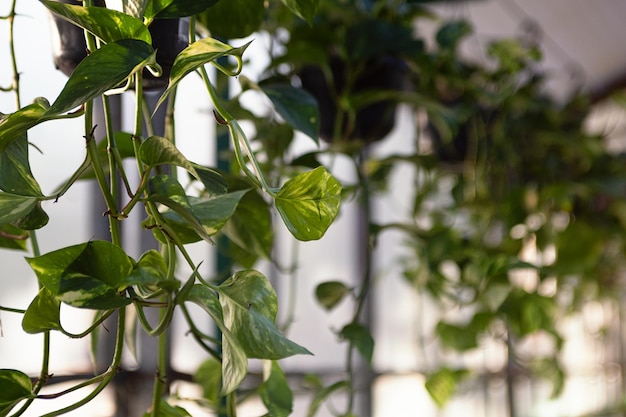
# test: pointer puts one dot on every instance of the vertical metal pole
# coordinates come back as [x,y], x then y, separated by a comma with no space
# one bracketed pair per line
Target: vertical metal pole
[223,263]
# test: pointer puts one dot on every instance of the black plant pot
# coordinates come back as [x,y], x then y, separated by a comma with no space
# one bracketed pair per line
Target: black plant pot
[372,122]
[169,37]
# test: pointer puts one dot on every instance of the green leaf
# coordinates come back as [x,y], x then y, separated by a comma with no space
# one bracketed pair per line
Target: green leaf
[196,55]
[12,237]
[14,387]
[177,8]
[249,304]
[43,313]
[102,70]
[209,377]
[14,125]
[168,410]
[442,384]
[359,336]
[151,269]
[106,24]
[460,338]
[15,174]
[275,391]
[234,360]
[450,34]
[309,203]
[204,217]
[157,150]
[250,226]
[88,275]
[13,207]
[330,293]
[35,219]
[212,180]
[305,9]
[135,8]
[233,19]
[297,107]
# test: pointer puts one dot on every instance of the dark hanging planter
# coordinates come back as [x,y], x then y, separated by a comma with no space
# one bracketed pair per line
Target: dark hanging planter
[169,37]
[372,122]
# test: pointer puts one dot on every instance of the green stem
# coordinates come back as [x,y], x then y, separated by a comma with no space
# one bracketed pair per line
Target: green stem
[92,152]
[90,329]
[103,379]
[239,139]
[113,168]
[45,362]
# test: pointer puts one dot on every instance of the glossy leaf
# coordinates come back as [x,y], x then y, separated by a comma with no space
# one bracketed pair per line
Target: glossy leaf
[297,107]
[234,360]
[233,19]
[194,56]
[14,387]
[179,8]
[306,9]
[35,219]
[13,207]
[106,24]
[204,217]
[330,293]
[249,304]
[89,275]
[213,182]
[15,174]
[275,391]
[105,68]
[157,150]
[14,125]
[43,313]
[135,8]
[309,203]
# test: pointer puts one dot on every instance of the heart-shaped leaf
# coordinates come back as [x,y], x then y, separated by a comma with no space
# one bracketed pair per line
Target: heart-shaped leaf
[204,217]
[297,107]
[89,275]
[309,203]
[249,304]
[102,70]
[194,56]
[359,336]
[157,150]
[330,293]
[106,24]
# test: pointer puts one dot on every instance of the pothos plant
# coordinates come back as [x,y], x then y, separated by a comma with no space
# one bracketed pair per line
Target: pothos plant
[501,167]
[98,274]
